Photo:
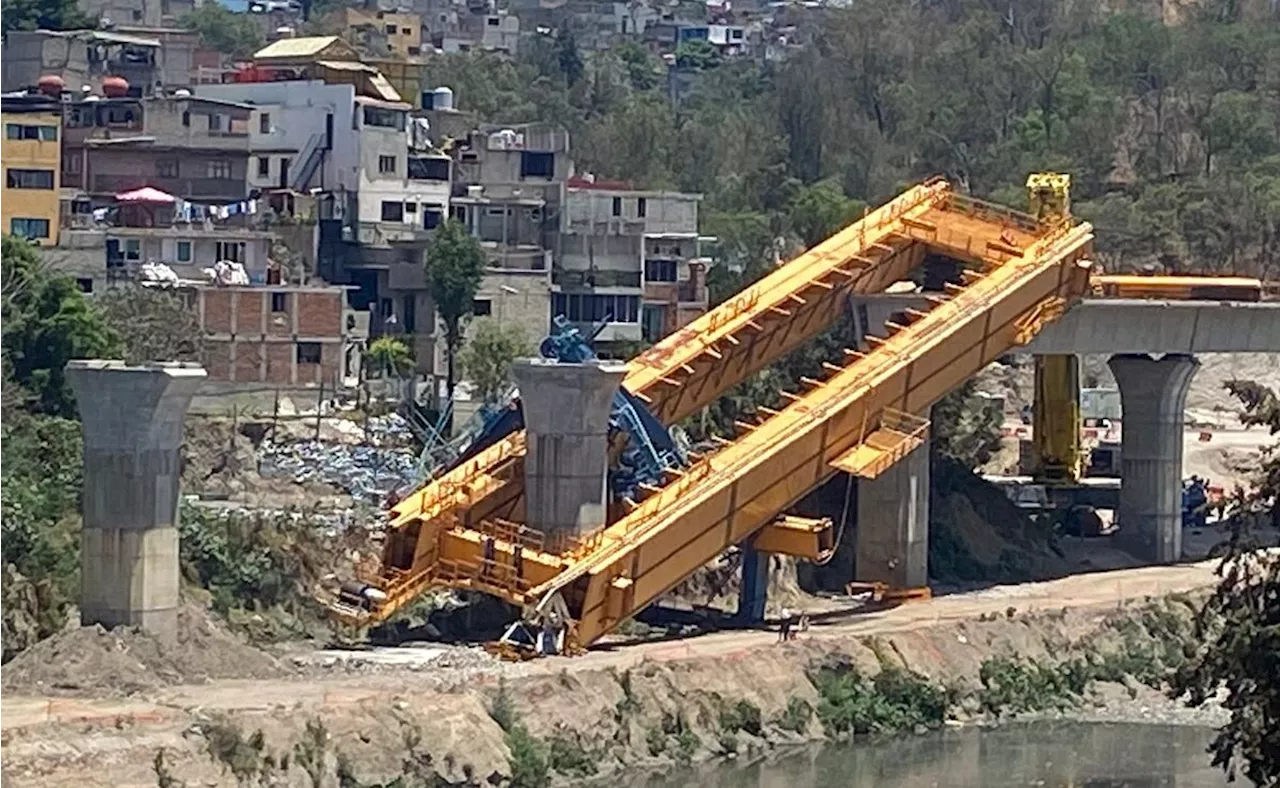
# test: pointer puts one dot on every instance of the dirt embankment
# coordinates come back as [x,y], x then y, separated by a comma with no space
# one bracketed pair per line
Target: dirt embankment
[652,704]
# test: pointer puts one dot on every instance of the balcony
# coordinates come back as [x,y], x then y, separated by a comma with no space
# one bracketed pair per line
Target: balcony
[385,234]
[189,188]
[517,258]
[597,278]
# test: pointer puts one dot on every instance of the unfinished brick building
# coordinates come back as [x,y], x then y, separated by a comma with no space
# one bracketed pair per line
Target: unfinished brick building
[280,335]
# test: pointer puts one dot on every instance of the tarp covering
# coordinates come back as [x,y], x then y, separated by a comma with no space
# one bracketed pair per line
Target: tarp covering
[146,194]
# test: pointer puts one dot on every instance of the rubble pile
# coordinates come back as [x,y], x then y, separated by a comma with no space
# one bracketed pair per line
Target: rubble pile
[367,473]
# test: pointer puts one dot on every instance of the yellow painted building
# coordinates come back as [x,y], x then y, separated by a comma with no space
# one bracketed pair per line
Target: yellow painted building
[32,159]
[403,30]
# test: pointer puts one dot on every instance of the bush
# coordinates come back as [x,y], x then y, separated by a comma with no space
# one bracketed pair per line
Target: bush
[796,716]
[895,700]
[566,755]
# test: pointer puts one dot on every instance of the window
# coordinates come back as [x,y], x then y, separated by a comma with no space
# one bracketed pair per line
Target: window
[481,307]
[29,228]
[392,211]
[21,131]
[166,168]
[264,167]
[391,30]
[642,207]
[71,165]
[537,165]
[186,118]
[434,168]
[184,251]
[660,270]
[387,165]
[411,207]
[593,308]
[85,285]
[232,251]
[28,179]
[133,249]
[617,206]
[384,118]
[279,302]
[264,123]
[652,319]
[409,310]
[493,20]
[406,31]
[431,216]
[308,352]
[219,169]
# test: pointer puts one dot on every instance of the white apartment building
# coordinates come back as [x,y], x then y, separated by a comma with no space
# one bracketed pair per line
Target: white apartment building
[628,258]
[314,136]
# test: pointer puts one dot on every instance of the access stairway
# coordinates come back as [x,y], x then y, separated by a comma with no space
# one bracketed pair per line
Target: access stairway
[462,530]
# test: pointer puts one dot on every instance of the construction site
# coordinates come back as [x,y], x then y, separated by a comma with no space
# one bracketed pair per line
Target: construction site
[582,511]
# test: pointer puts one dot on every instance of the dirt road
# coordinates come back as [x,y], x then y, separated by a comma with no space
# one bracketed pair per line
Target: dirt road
[166,706]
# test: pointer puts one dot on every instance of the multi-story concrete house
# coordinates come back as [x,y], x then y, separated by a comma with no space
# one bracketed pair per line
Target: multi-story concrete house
[191,147]
[32,159]
[150,61]
[400,32]
[338,129]
[628,260]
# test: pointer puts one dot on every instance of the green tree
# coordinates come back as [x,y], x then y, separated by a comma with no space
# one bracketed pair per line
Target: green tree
[234,35]
[46,323]
[965,427]
[390,356]
[43,15]
[820,209]
[1238,628]
[697,55]
[155,324]
[486,361]
[568,57]
[455,266]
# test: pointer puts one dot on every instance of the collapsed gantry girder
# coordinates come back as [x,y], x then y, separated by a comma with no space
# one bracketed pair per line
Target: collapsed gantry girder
[465,530]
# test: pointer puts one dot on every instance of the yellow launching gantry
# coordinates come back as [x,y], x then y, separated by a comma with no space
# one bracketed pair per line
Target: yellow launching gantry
[865,412]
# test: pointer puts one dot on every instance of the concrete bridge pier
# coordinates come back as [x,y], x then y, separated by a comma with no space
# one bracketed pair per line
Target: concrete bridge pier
[1153,395]
[131,418]
[566,415]
[893,524]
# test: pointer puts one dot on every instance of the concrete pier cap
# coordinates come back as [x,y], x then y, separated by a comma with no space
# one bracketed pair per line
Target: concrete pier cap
[566,417]
[1153,397]
[131,419]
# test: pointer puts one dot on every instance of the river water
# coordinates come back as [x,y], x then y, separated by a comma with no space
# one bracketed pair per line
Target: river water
[1041,754]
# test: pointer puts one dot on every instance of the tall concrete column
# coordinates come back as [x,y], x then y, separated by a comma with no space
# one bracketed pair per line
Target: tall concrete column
[1153,395]
[893,524]
[566,419]
[131,418]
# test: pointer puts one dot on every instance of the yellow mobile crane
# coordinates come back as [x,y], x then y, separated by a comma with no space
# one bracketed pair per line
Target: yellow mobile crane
[1058,453]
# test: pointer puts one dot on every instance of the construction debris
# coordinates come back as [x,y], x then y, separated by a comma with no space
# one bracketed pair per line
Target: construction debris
[367,473]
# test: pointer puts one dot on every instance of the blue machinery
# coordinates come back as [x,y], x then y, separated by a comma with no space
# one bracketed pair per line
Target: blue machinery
[649,450]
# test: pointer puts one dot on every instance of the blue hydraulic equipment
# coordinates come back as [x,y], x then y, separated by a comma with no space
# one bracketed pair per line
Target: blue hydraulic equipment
[650,449]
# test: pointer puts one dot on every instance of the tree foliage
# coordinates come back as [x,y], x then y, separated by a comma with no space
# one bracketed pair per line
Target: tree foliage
[231,34]
[965,427]
[487,359]
[155,324]
[1239,626]
[46,323]
[390,356]
[455,266]
[43,15]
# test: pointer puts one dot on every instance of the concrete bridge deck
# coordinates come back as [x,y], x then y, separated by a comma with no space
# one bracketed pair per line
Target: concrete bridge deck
[1107,325]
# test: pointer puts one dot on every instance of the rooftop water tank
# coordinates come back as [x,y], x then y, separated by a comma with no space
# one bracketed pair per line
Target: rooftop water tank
[50,85]
[115,87]
[442,98]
